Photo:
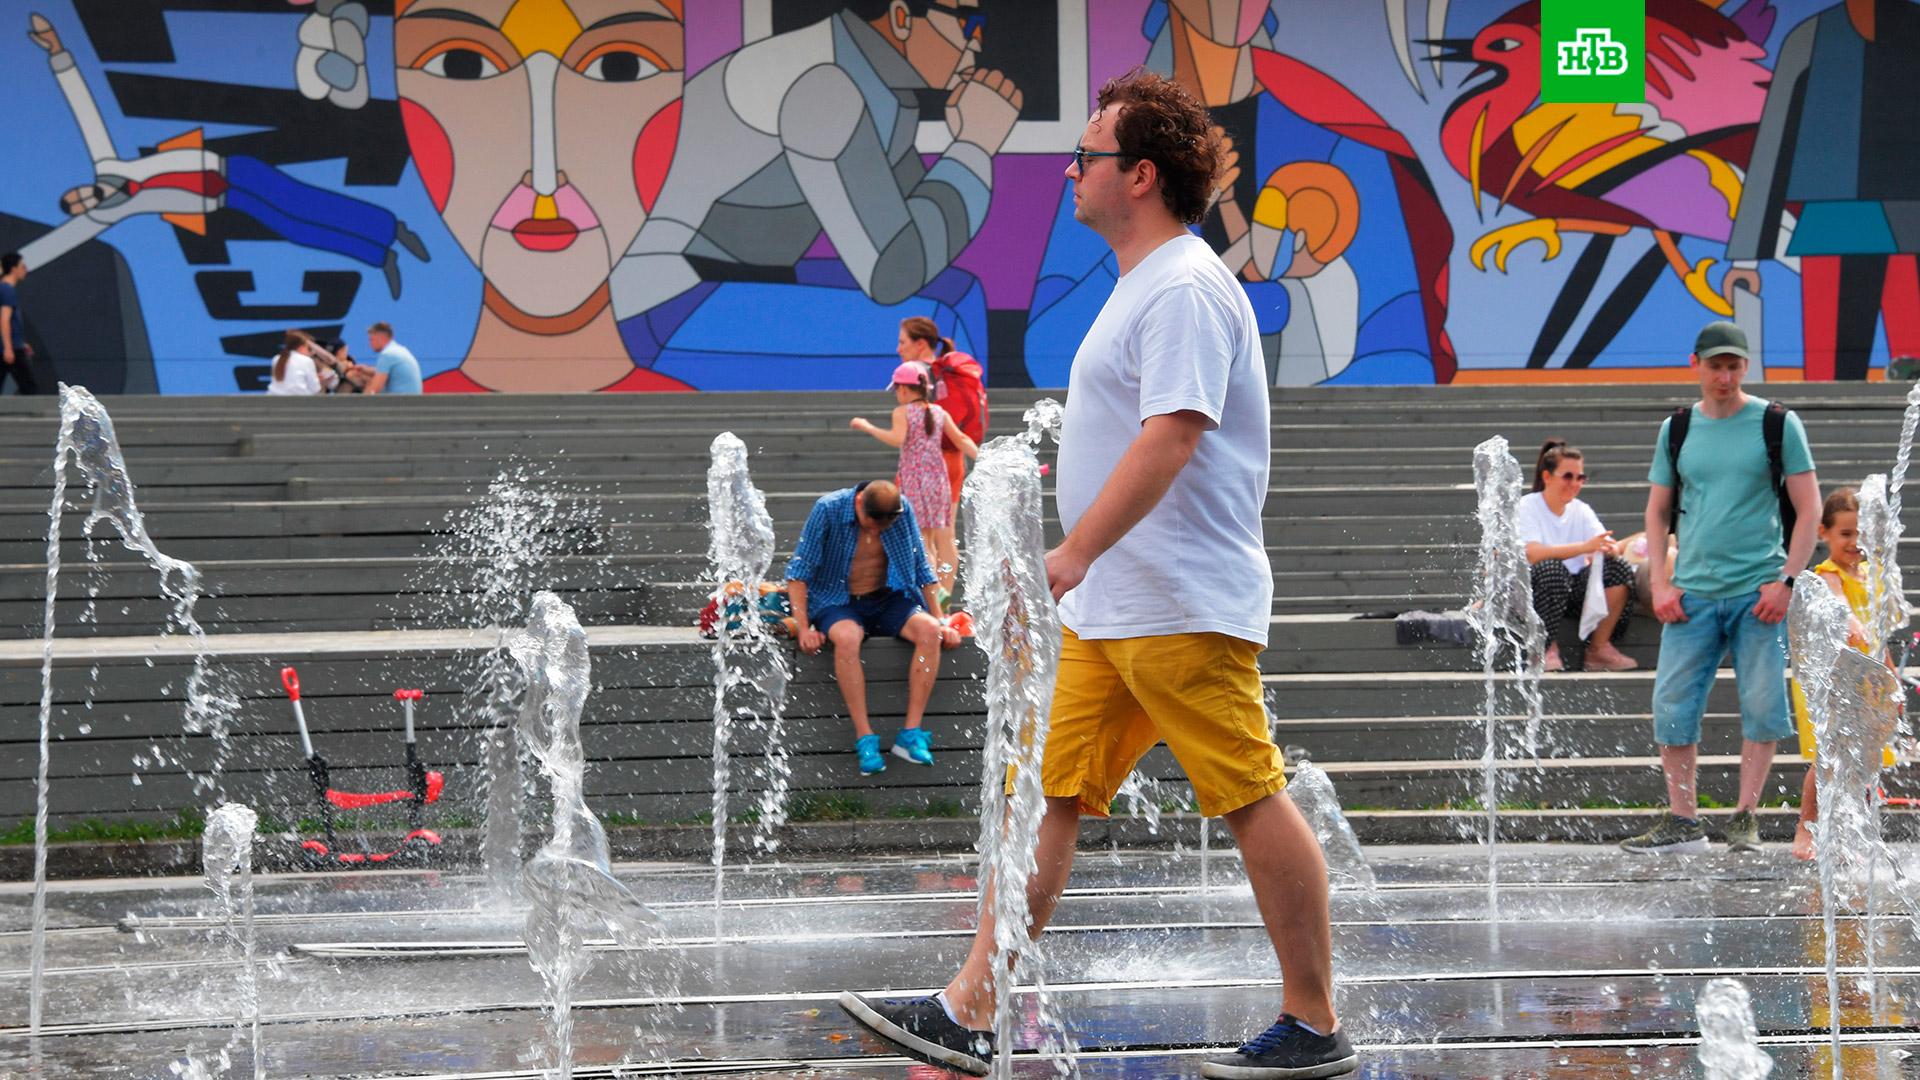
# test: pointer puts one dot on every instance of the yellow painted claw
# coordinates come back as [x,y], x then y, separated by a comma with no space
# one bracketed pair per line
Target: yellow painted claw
[1707,295]
[1504,239]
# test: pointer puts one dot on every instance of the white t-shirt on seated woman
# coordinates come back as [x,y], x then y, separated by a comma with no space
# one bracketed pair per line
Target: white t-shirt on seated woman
[1539,525]
[303,378]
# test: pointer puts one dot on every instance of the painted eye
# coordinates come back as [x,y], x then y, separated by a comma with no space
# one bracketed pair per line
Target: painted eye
[1505,44]
[619,65]
[461,64]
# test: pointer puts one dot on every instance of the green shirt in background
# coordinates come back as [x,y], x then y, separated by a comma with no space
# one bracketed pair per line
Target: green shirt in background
[1730,536]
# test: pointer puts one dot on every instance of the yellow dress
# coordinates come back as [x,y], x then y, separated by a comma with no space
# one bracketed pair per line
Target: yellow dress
[1855,590]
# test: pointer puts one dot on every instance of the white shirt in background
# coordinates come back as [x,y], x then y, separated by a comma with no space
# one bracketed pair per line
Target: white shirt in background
[1577,525]
[302,377]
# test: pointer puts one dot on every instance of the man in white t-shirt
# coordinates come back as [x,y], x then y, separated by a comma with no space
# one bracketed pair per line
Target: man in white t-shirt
[1165,589]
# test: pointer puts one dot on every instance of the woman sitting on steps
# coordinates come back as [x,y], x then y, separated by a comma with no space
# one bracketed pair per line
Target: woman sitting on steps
[1564,541]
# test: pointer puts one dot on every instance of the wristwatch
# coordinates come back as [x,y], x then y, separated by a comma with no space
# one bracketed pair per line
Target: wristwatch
[1787,580]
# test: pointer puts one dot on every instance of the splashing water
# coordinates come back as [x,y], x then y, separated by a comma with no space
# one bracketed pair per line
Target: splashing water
[1312,791]
[1896,482]
[523,533]
[1502,617]
[1018,627]
[749,667]
[226,858]
[570,881]
[505,779]
[1888,615]
[87,439]
[1729,1042]
[1852,701]
[1880,534]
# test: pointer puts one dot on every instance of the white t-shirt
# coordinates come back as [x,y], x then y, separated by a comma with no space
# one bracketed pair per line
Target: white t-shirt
[1577,525]
[302,378]
[1177,334]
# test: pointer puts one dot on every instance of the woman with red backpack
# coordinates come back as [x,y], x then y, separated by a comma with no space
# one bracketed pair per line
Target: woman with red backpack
[958,387]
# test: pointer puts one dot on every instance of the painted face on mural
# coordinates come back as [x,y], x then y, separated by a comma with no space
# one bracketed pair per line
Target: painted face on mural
[542,130]
[941,43]
[1224,22]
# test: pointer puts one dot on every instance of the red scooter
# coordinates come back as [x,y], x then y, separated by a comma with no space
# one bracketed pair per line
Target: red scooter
[423,787]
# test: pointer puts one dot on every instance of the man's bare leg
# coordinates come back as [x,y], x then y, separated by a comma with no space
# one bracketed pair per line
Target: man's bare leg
[1289,878]
[1756,761]
[969,994]
[1681,764]
[923,633]
[846,636]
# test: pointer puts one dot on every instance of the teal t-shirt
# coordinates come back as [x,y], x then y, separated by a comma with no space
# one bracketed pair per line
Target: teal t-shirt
[1730,539]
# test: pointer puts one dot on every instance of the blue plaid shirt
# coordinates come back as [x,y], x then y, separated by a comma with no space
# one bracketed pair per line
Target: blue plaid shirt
[825,552]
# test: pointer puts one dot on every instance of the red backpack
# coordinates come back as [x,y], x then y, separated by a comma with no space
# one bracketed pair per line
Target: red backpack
[957,388]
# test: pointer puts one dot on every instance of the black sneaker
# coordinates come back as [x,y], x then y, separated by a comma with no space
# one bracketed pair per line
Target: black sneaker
[919,1026]
[1669,836]
[1285,1051]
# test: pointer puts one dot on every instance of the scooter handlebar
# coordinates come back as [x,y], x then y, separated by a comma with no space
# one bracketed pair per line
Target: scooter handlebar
[290,679]
[407,695]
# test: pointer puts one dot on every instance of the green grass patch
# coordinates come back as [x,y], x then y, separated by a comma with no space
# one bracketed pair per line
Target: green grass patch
[937,808]
[829,808]
[185,825]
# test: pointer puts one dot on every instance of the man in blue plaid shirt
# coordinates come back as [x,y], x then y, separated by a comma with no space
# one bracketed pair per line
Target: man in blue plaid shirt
[861,569]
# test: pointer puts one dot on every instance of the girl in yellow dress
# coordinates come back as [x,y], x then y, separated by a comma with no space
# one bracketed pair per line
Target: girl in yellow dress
[1845,572]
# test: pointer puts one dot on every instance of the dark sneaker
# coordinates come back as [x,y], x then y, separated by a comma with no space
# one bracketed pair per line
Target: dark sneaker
[920,1028]
[1285,1051]
[1743,832]
[1669,836]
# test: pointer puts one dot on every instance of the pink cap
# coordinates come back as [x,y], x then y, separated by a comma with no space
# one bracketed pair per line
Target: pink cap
[908,374]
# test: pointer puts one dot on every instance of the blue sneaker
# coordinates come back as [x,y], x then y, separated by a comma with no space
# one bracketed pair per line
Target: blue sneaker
[1286,1051]
[915,745]
[867,748]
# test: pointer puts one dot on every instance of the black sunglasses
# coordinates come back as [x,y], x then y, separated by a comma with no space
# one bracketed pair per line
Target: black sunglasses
[971,20]
[1580,476]
[1080,156]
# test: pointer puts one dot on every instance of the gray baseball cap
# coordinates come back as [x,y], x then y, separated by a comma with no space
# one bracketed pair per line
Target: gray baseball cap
[1721,338]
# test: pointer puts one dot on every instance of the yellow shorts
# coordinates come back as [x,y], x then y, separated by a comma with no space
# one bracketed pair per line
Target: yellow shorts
[1199,693]
[1803,720]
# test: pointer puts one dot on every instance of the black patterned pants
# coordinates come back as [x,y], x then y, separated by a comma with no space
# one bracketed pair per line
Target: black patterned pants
[1559,595]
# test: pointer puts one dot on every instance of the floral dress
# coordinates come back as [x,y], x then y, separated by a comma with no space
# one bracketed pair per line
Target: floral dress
[923,472]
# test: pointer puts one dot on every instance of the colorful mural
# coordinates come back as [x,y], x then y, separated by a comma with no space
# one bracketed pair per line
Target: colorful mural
[631,195]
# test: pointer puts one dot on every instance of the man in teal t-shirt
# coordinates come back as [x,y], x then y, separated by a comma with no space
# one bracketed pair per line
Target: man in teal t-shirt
[1729,589]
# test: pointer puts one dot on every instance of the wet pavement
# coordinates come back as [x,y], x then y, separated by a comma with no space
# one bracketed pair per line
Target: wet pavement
[1591,970]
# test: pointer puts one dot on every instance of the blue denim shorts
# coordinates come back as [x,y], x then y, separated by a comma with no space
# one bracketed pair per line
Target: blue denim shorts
[1690,654]
[880,614]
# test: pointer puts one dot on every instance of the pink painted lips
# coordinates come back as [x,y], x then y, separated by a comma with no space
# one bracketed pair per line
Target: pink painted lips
[545,234]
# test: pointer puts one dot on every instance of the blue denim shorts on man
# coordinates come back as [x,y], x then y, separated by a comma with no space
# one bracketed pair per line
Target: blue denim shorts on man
[881,613]
[1690,654]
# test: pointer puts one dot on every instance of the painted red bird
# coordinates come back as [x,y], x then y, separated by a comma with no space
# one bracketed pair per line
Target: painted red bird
[1671,165]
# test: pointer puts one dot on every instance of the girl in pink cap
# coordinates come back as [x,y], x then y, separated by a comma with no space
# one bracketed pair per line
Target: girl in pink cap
[917,426]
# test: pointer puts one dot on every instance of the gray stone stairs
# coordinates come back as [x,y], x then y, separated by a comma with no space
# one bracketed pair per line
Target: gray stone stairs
[332,519]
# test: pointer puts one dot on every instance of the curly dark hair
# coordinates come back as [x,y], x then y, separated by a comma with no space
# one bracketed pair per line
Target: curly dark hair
[1161,122]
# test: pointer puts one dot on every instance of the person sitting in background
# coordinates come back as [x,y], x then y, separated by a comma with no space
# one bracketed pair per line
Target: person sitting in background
[395,371]
[302,369]
[855,573]
[1564,541]
[350,378]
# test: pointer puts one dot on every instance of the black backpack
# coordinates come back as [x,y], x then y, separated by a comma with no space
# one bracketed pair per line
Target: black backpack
[1773,429]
